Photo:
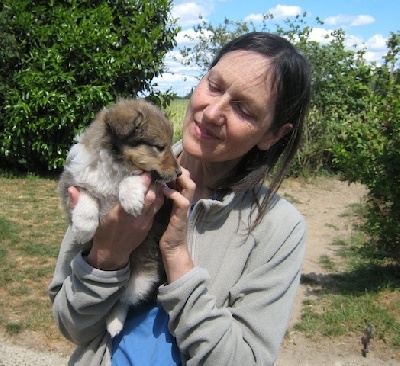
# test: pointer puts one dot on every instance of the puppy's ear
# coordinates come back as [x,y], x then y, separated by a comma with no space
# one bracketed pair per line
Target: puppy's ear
[123,125]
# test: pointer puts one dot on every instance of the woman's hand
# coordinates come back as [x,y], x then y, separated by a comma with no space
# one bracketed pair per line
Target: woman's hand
[119,233]
[173,244]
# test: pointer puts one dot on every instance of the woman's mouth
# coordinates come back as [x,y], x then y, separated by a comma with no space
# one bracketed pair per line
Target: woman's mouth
[204,133]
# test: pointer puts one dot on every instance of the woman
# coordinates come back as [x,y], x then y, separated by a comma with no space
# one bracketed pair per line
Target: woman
[233,248]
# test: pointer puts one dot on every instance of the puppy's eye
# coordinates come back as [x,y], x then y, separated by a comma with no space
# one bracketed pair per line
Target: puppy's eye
[159,148]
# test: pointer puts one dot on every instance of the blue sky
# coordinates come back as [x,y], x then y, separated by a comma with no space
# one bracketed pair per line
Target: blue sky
[367,23]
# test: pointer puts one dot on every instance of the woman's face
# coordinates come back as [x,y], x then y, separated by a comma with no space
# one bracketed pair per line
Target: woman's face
[231,110]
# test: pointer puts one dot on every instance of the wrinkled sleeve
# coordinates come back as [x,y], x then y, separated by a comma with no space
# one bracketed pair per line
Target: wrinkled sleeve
[82,296]
[250,329]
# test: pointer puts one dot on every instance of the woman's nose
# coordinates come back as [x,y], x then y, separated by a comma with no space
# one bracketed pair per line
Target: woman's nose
[215,111]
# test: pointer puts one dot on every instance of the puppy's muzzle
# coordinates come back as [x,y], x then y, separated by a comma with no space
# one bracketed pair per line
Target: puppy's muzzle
[157,177]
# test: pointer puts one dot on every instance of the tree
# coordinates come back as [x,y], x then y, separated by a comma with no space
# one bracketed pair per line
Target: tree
[340,78]
[368,151]
[8,56]
[353,126]
[76,56]
[209,39]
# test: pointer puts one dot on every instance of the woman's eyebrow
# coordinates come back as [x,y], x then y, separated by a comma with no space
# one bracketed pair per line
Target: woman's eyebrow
[239,96]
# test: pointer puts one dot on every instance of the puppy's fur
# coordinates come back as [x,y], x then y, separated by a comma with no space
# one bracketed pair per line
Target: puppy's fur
[124,140]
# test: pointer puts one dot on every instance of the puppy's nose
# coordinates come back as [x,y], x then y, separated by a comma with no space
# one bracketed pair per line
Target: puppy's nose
[179,173]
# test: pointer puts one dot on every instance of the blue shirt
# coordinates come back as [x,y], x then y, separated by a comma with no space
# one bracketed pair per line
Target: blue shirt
[145,339]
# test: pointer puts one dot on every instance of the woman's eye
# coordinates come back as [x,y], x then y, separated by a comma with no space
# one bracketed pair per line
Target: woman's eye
[214,88]
[243,110]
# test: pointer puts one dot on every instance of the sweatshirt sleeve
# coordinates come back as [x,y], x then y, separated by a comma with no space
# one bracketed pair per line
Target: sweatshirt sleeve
[250,328]
[82,296]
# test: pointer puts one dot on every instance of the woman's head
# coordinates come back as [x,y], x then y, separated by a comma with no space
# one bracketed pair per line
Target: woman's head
[289,74]
[231,111]
[248,110]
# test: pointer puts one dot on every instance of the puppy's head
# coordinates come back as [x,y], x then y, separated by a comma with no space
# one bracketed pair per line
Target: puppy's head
[141,135]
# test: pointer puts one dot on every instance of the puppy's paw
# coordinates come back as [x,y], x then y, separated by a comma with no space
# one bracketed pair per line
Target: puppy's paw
[116,319]
[114,327]
[85,218]
[131,194]
[83,233]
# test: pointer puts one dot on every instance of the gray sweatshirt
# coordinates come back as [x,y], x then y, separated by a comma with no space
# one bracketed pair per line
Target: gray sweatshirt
[233,308]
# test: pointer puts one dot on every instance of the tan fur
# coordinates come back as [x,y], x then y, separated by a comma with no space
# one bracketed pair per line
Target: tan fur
[133,121]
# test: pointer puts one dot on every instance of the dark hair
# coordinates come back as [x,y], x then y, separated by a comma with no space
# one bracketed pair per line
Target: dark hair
[290,75]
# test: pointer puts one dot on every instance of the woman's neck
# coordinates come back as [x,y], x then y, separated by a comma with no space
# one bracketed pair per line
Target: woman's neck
[205,175]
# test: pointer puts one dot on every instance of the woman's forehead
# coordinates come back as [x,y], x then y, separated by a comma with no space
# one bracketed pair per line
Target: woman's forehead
[243,67]
[246,74]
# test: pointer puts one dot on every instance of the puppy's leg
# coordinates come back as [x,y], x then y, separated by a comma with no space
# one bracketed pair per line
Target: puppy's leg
[131,194]
[85,218]
[140,286]
[116,319]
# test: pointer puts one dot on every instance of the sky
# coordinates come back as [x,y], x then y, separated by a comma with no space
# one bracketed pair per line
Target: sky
[367,24]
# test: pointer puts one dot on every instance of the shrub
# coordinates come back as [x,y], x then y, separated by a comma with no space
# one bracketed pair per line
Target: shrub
[75,58]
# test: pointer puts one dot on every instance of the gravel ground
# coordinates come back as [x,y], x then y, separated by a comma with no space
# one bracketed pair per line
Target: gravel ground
[14,355]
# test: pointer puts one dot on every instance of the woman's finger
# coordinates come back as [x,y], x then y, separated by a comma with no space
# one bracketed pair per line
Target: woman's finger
[73,194]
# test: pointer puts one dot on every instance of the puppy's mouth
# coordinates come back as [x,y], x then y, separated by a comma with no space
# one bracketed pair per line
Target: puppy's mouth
[157,177]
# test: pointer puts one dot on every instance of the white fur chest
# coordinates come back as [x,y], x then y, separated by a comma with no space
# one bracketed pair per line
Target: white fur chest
[96,171]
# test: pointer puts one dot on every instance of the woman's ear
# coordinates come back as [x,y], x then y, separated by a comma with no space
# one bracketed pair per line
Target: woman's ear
[272,137]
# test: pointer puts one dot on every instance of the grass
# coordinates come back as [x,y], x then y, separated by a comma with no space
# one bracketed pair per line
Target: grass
[31,228]
[366,292]
[176,112]
[327,263]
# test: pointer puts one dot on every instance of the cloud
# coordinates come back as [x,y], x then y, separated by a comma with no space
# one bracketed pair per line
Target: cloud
[179,78]
[285,11]
[279,12]
[376,49]
[320,35]
[349,20]
[372,56]
[179,83]
[188,13]
[353,41]
[377,42]
[255,18]
[362,20]
[182,37]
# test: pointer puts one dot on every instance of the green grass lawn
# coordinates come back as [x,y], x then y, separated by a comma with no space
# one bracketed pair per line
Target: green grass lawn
[31,228]
[176,112]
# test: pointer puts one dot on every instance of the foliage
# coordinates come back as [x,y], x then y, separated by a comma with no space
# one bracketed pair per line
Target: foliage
[340,78]
[368,150]
[8,55]
[74,58]
[353,126]
[209,39]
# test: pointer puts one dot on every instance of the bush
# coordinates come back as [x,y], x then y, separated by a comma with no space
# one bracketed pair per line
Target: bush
[368,151]
[75,58]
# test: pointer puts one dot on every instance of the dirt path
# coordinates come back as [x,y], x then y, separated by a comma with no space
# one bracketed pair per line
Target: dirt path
[323,204]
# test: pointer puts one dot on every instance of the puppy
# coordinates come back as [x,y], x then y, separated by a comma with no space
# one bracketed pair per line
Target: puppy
[126,139]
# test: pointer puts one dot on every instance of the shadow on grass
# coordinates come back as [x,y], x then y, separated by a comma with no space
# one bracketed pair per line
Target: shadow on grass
[372,277]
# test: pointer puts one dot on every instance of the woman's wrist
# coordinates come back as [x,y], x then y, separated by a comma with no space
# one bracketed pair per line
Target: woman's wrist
[106,260]
[177,262]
